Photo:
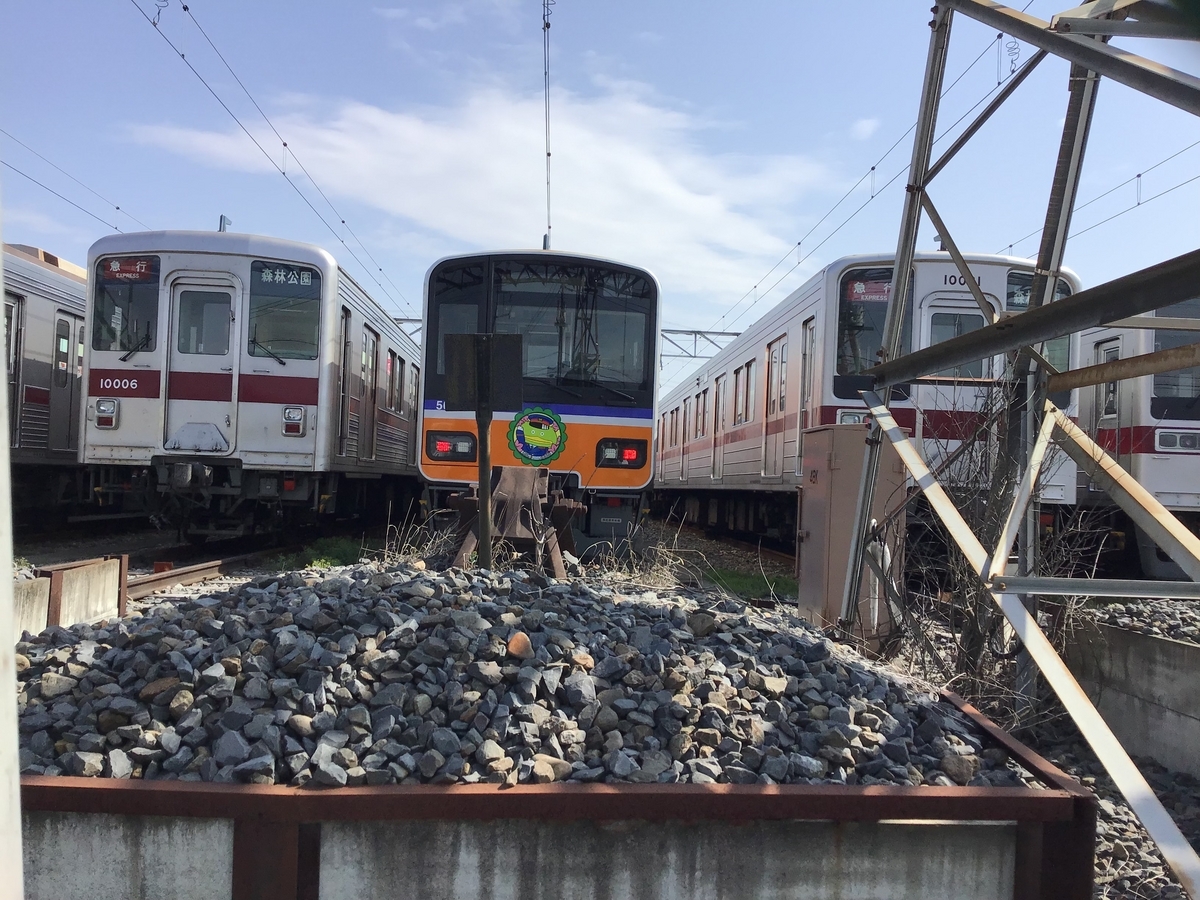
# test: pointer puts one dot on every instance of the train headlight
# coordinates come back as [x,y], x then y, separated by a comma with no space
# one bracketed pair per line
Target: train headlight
[450,446]
[1177,440]
[619,453]
[294,421]
[107,413]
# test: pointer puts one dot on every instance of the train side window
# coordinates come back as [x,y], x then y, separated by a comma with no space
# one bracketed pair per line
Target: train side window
[687,417]
[414,389]
[11,321]
[748,412]
[79,355]
[392,398]
[1106,398]
[62,353]
[739,388]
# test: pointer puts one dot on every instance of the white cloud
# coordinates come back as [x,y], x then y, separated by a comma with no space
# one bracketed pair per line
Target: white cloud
[864,128]
[629,180]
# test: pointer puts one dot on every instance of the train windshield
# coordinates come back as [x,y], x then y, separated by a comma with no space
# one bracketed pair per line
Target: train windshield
[285,311]
[582,325]
[125,312]
[1176,394]
[1020,285]
[588,329]
[862,310]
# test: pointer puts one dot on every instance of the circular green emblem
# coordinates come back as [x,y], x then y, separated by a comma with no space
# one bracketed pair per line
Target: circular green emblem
[537,436]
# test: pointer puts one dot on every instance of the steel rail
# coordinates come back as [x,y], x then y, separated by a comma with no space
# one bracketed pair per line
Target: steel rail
[141,586]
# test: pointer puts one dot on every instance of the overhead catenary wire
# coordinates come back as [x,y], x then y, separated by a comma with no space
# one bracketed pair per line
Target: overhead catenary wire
[90,190]
[291,151]
[1135,178]
[874,193]
[264,152]
[60,196]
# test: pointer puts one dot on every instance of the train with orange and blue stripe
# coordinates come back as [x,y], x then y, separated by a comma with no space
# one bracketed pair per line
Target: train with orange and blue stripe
[589,379]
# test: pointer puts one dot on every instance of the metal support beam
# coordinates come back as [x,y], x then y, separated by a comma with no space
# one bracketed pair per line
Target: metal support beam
[1098,587]
[969,132]
[906,245]
[1066,25]
[1077,124]
[711,346]
[1132,367]
[1021,500]
[1157,322]
[1145,75]
[1151,288]
[989,314]
[1139,504]
[1162,828]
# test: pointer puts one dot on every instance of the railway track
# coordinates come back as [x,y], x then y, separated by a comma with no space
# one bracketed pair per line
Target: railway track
[141,586]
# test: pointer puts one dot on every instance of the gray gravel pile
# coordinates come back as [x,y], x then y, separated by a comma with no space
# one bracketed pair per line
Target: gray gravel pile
[1178,619]
[378,677]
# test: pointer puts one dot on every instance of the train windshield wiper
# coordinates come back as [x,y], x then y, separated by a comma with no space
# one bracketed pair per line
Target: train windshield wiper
[550,382]
[140,345]
[255,342]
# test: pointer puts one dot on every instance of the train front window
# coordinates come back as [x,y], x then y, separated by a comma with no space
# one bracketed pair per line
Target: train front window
[946,326]
[582,325]
[204,322]
[862,310]
[125,311]
[457,294]
[285,311]
[1176,394]
[1020,285]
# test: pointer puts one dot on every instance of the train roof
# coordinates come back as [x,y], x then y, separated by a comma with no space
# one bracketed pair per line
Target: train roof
[211,242]
[604,260]
[48,261]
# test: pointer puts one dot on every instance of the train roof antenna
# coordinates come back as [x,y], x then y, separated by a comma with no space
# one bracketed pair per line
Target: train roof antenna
[546,13]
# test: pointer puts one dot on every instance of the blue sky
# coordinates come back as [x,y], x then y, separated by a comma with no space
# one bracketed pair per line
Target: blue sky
[699,139]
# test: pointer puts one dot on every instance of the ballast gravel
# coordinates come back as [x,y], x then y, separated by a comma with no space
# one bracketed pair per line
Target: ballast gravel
[1176,619]
[402,675]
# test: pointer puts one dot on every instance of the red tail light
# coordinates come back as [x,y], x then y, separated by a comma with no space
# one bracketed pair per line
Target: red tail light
[442,446]
[629,454]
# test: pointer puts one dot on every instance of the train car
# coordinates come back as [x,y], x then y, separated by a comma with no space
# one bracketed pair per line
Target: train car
[43,328]
[245,381]
[1150,424]
[589,378]
[732,434]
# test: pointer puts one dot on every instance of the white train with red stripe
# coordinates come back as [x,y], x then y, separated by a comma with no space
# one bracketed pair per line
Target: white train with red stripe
[731,435]
[243,380]
[1150,424]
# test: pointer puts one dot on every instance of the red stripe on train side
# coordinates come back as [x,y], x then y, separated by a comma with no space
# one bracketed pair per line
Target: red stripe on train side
[950,425]
[277,389]
[124,383]
[200,386]
[1138,439]
[37,395]
[905,416]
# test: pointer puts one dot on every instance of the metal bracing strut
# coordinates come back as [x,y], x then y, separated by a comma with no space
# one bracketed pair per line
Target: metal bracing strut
[906,244]
[1179,854]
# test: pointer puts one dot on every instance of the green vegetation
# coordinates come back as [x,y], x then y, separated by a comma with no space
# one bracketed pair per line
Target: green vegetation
[752,585]
[324,553]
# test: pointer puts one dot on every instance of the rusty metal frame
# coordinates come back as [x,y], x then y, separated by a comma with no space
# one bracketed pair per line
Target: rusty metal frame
[277,829]
[1179,854]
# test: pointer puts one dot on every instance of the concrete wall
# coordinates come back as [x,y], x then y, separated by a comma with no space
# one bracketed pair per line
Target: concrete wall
[31,604]
[90,593]
[1146,689]
[531,860]
[84,856]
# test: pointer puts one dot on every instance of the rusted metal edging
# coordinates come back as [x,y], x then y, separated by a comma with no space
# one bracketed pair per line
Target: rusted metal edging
[549,802]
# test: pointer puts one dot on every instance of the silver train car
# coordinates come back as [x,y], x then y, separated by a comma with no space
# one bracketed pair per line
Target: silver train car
[730,444]
[43,348]
[245,382]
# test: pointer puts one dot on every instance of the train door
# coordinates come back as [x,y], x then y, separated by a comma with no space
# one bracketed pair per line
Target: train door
[344,385]
[683,441]
[370,395]
[12,353]
[806,414]
[64,384]
[718,427]
[201,414]
[773,430]
[950,403]
[1107,404]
